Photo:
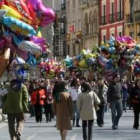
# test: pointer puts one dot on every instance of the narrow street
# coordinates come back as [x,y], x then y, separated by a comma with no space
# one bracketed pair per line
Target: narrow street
[43,131]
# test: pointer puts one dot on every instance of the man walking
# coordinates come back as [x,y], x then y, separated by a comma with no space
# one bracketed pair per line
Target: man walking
[114,97]
[15,104]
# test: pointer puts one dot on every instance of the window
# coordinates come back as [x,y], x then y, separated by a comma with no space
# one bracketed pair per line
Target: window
[79,24]
[90,22]
[120,33]
[104,38]
[86,24]
[73,3]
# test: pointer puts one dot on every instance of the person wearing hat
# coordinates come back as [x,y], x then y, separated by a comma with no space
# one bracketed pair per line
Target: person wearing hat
[114,98]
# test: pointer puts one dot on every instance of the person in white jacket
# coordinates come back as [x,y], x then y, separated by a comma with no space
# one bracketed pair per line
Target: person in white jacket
[85,104]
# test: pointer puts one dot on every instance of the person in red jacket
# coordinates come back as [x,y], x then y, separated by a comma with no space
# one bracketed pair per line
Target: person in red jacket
[37,99]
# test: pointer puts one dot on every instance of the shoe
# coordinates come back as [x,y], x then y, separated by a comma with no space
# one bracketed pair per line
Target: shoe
[18,136]
[78,125]
[114,127]
[135,128]
[100,125]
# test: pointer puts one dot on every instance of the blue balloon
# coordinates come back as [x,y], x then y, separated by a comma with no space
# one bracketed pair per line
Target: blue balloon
[31,60]
[18,26]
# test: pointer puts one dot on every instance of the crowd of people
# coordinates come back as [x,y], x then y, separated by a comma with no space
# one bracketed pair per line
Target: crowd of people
[70,100]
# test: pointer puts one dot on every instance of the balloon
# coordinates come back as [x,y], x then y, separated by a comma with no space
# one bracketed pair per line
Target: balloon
[31,60]
[2,43]
[29,46]
[39,41]
[14,13]
[4,60]
[39,34]
[18,69]
[2,13]
[13,49]
[45,15]
[18,26]
[83,64]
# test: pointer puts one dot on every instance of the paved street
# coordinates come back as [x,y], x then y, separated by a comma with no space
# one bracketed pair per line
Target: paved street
[43,131]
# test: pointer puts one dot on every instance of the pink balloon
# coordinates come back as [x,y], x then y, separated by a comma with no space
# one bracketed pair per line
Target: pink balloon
[47,14]
[39,41]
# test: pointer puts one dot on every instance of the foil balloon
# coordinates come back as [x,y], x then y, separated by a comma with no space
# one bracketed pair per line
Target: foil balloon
[2,13]
[14,13]
[4,60]
[31,60]
[18,69]
[39,41]
[45,15]
[20,6]
[18,26]
[29,46]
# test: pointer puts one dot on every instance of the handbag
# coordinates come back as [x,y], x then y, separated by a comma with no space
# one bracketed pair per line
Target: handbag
[96,105]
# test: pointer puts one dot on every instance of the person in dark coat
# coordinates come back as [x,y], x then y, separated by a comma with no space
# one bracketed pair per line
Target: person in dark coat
[114,98]
[135,100]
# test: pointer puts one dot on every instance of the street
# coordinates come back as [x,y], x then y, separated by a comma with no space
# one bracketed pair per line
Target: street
[43,131]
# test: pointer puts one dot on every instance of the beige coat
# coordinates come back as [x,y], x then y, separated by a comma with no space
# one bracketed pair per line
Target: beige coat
[63,111]
[85,105]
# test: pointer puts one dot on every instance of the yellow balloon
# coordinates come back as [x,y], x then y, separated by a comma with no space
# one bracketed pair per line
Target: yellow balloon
[39,34]
[15,14]
[83,64]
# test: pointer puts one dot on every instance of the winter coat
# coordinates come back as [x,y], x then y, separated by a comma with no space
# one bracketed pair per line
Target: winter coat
[63,111]
[38,100]
[85,105]
[102,94]
[135,96]
[15,101]
[114,92]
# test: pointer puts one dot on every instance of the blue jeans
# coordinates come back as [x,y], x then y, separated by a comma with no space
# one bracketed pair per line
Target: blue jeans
[116,112]
[75,111]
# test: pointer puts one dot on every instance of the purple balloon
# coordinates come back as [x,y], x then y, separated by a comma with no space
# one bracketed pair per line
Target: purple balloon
[47,15]
[39,41]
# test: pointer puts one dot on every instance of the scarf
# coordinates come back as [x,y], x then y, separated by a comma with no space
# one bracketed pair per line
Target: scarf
[57,95]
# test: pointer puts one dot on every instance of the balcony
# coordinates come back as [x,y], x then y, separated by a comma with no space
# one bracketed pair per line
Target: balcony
[103,20]
[111,18]
[119,16]
[129,19]
[137,16]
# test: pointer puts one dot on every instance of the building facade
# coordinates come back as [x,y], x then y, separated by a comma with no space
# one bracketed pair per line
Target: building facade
[74,27]
[111,19]
[82,25]
[132,19]
[90,23]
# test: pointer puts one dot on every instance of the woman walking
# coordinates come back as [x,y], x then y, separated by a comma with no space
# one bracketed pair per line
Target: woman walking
[135,100]
[86,105]
[62,108]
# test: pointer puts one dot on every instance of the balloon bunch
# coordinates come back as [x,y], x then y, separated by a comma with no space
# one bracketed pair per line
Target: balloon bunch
[118,55]
[51,68]
[20,25]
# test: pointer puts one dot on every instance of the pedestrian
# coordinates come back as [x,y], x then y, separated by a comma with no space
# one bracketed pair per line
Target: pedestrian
[37,99]
[15,104]
[62,108]
[135,100]
[125,95]
[114,98]
[74,91]
[102,94]
[48,101]
[86,105]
